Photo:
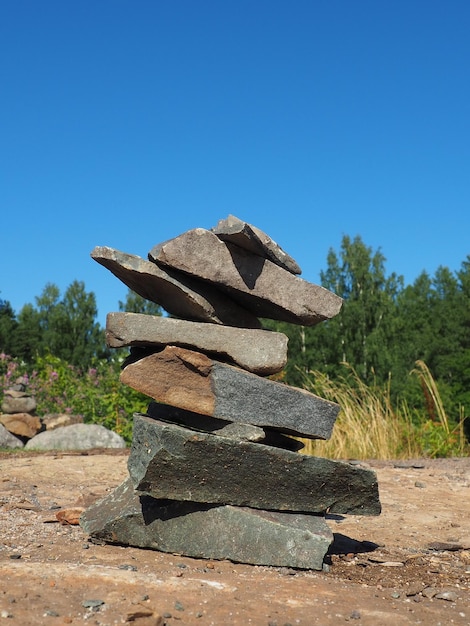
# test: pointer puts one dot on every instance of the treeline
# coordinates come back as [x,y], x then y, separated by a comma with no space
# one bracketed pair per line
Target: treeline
[384,328]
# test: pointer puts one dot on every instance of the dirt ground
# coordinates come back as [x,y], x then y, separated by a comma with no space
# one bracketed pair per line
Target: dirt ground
[410,565]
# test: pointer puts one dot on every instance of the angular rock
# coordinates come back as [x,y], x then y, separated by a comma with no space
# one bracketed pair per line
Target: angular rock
[259,351]
[58,420]
[76,437]
[7,440]
[254,240]
[255,283]
[192,529]
[169,461]
[193,381]
[23,404]
[240,432]
[178,294]
[21,424]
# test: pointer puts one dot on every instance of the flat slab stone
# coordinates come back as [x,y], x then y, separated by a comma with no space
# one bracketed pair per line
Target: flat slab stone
[178,294]
[254,240]
[254,282]
[193,381]
[259,351]
[192,529]
[238,431]
[169,461]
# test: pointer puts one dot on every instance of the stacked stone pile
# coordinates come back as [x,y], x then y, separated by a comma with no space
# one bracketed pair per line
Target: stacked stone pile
[214,471]
[20,427]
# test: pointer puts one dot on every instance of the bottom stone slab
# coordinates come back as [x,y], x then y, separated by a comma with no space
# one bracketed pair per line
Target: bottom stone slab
[193,529]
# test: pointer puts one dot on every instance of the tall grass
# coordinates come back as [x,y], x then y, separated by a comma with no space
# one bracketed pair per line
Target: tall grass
[369,426]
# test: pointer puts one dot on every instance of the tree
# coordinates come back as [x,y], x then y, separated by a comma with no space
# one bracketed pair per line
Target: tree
[361,333]
[137,304]
[8,326]
[65,328]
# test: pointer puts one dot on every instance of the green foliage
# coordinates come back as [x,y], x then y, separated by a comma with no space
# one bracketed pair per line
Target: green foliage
[136,304]
[95,393]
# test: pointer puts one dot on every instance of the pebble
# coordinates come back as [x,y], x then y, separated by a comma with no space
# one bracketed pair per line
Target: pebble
[355,615]
[420,485]
[179,606]
[450,596]
[92,604]
[132,568]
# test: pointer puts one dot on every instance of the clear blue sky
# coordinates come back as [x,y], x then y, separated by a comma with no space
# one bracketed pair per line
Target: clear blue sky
[126,123]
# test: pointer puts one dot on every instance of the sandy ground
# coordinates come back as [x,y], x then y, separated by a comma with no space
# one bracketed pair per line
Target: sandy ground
[410,565]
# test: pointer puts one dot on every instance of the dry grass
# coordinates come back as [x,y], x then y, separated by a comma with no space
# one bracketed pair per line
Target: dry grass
[369,426]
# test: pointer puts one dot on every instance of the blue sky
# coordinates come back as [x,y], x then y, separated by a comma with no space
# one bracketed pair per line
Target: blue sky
[126,123]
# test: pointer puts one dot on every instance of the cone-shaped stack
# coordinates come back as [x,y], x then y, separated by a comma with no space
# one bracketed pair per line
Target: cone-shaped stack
[212,470]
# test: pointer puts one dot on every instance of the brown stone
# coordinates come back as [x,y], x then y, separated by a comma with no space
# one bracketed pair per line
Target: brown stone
[178,294]
[260,351]
[21,424]
[254,240]
[257,284]
[193,381]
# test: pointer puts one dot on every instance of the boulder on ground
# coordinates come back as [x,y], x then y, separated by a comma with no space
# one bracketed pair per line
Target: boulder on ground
[76,437]
[8,440]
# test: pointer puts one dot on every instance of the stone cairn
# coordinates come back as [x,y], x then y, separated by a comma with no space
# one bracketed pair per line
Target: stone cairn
[214,471]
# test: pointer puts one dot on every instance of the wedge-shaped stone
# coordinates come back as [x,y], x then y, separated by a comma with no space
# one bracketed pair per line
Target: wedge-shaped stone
[255,283]
[259,351]
[193,381]
[238,431]
[177,293]
[169,461]
[192,529]
[254,240]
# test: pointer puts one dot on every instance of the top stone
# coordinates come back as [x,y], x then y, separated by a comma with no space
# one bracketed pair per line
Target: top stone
[257,284]
[254,240]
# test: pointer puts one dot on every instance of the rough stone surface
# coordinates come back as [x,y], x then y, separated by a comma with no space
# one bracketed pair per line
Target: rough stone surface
[240,432]
[213,532]
[259,351]
[169,461]
[255,283]
[8,440]
[58,420]
[177,293]
[23,404]
[21,424]
[254,240]
[192,381]
[76,437]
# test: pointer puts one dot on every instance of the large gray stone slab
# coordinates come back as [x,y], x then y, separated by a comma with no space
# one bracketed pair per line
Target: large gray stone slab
[259,351]
[255,283]
[169,461]
[251,238]
[76,437]
[177,293]
[193,381]
[192,529]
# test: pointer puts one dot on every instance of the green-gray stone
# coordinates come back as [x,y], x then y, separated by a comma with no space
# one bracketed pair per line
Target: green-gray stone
[206,531]
[169,461]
